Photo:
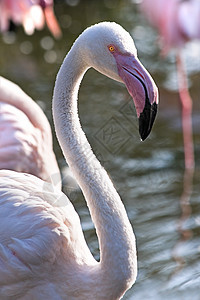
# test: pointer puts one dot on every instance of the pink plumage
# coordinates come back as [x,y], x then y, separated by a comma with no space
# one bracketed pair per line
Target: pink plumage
[25,135]
[31,14]
[177,21]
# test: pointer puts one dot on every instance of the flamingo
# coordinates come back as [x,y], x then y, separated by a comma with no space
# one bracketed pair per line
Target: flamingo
[32,14]
[178,22]
[43,252]
[25,135]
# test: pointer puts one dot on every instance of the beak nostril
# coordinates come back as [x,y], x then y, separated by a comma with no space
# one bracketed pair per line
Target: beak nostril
[138,78]
[139,74]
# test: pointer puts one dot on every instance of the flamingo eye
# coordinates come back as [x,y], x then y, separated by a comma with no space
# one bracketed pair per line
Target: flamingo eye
[111,48]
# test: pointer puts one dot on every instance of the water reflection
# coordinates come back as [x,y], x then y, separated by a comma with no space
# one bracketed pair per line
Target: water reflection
[149,175]
[185,233]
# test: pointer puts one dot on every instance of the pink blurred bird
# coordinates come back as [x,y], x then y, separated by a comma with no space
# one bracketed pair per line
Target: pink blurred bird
[177,22]
[25,135]
[32,14]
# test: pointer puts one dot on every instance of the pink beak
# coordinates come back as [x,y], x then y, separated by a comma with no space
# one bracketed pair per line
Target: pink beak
[142,89]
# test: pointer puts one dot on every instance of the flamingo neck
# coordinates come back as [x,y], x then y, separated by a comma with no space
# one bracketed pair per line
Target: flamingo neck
[115,235]
[12,94]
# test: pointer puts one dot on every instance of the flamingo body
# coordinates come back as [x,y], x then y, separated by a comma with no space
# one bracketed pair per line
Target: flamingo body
[42,248]
[49,240]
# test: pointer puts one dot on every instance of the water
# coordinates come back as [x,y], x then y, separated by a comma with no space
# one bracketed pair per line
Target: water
[148,175]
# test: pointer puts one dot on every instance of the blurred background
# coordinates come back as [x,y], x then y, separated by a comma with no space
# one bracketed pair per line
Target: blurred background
[162,201]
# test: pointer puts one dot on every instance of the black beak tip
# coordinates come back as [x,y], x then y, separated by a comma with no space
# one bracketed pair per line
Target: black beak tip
[146,119]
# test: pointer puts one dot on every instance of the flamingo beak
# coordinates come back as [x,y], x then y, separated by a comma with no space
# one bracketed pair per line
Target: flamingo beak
[142,89]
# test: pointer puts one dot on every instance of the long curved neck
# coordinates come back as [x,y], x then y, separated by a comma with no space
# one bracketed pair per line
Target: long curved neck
[115,235]
[12,94]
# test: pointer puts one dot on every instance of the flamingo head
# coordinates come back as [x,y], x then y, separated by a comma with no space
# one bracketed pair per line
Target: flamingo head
[110,49]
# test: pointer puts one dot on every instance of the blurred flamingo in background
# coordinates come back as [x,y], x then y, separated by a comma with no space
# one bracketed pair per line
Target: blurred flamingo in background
[32,14]
[178,22]
[25,135]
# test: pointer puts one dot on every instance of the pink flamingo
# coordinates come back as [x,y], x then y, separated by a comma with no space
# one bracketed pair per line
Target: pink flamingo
[25,135]
[43,253]
[32,14]
[177,22]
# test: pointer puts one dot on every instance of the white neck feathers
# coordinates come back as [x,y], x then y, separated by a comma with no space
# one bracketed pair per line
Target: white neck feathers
[115,235]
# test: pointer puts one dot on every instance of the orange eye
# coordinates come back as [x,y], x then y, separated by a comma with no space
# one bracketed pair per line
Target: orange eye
[111,48]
